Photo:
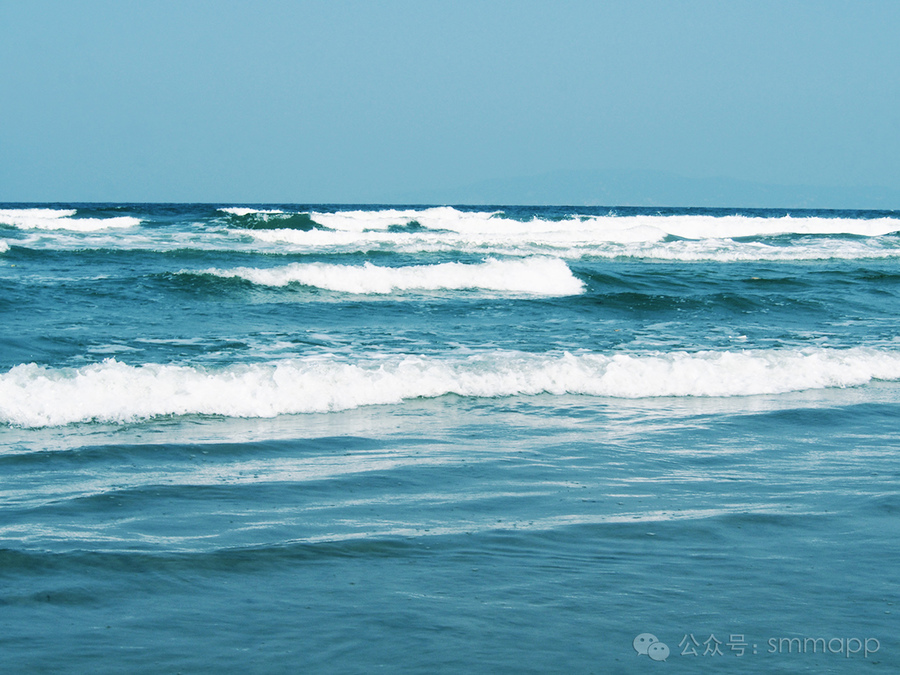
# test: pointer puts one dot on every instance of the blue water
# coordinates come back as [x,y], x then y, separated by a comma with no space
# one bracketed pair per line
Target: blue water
[301,438]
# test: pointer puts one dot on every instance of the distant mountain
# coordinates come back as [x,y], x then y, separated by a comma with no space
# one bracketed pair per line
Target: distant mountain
[654,188]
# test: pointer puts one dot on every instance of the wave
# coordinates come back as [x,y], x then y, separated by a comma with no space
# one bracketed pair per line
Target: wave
[671,237]
[62,219]
[111,391]
[608,228]
[267,219]
[538,276]
[242,211]
[4,247]
[715,250]
[446,230]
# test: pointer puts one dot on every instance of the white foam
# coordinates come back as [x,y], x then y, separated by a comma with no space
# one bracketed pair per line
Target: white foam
[61,219]
[720,250]
[605,228]
[448,230]
[539,276]
[4,247]
[111,391]
[437,218]
[699,237]
[33,218]
[242,211]
[725,250]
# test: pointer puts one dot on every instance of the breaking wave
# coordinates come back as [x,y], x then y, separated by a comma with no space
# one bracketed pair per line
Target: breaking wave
[538,276]
[111,391]
[62,219]
[671,237]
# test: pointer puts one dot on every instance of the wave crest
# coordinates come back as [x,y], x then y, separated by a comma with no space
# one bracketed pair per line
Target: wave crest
[538,276]
[111,391]
[62,219]
[670,237]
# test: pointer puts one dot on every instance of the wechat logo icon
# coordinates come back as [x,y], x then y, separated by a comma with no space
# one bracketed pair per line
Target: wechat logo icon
[649,645]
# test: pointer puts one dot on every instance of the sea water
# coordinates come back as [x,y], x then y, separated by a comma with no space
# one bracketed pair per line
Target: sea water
[312,438]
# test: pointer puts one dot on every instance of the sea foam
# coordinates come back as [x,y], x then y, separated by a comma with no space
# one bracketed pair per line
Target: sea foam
[111,391]
[605,228]
[243,211]
[62,219]
[538,276]
[673,237]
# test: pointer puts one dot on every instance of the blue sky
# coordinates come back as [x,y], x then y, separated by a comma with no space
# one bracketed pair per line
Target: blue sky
[338,101]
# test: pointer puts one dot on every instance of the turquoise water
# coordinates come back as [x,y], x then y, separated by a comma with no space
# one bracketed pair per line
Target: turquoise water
[409,439]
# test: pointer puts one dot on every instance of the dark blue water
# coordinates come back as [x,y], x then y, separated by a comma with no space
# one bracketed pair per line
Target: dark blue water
[357,439]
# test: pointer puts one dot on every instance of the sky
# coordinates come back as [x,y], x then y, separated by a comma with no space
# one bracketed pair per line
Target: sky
[369,101]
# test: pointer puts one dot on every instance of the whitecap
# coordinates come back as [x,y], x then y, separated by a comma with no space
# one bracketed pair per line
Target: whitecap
[244,211]
[62,219]
[110,391]
[538,276]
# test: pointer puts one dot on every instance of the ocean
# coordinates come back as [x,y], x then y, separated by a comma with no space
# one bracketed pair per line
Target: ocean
[353,439]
